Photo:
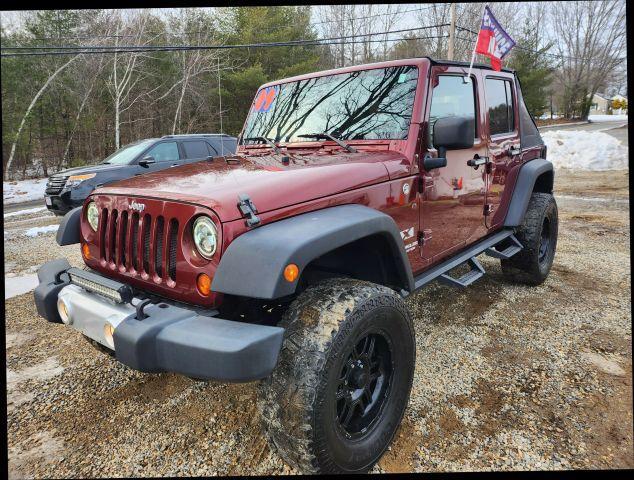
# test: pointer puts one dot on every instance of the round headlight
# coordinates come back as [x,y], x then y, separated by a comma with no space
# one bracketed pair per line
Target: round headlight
[205,237]
[92,215]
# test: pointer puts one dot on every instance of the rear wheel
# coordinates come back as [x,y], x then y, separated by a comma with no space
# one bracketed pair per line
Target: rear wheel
[342,383]
[538,235]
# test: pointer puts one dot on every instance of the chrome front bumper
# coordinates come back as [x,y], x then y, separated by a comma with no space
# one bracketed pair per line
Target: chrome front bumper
[93,315]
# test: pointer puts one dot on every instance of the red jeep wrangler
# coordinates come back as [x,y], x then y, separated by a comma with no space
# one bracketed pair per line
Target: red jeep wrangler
[288,262]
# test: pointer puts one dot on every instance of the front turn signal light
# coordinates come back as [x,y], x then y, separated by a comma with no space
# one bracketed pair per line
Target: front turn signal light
[203,283]
[291,272]
[85,249]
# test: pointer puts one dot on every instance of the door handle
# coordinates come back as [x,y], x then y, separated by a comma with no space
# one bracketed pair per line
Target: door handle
[476,161]
[513,150]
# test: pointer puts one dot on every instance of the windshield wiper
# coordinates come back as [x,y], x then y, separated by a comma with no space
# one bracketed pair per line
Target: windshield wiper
[266,140]
[328,136]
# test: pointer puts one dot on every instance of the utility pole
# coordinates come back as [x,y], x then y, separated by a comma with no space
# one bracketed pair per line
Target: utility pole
[452,31]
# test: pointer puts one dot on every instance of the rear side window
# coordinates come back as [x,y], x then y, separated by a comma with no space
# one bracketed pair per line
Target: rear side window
[452,97]
[196,149]
[225,145]
[499,95]
[164,152]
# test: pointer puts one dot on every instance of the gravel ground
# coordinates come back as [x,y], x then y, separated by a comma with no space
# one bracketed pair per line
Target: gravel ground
[507,377]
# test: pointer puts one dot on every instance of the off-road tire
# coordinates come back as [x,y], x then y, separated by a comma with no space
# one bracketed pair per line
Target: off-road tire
[297,401]
[529,265]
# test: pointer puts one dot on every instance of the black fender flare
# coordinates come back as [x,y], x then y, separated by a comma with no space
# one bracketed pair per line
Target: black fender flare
[524,187]
[253,264]
[68,231]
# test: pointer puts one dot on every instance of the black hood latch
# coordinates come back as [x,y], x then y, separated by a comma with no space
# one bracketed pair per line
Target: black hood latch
[248,210]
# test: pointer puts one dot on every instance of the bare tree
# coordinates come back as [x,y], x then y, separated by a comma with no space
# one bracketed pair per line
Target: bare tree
[188,27]
[30,107]
[127,71]
[390,17]
[591,42]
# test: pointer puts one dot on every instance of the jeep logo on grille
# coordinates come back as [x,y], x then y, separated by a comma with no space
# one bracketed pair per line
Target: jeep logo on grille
[139,207]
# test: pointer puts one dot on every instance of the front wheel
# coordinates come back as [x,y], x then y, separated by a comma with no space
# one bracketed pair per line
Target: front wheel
[342,383]
[538,235]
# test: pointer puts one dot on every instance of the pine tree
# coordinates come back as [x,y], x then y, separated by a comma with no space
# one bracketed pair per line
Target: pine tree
[534,68]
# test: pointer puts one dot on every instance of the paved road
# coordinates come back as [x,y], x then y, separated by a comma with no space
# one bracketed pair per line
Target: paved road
[14,207]
[620,133]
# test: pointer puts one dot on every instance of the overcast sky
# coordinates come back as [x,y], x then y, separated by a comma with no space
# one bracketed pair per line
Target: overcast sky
[13,19]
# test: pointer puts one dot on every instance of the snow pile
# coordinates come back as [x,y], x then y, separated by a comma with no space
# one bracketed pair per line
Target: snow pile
[27,211]
[607,118]
[546,116]
[582,150]
[35,231]
[23,190]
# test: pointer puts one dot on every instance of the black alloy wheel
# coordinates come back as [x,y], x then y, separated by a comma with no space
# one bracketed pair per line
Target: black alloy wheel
[364,384]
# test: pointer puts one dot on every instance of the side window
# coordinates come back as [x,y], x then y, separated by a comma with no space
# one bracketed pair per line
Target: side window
[196,149]
[499,95]
[164,152]
[452,97]
[212,150]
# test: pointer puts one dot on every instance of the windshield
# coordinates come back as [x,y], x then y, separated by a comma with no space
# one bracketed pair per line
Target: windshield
[364,105]
[126,154]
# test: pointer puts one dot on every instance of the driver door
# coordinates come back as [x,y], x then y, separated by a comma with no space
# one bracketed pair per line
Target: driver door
[452,204]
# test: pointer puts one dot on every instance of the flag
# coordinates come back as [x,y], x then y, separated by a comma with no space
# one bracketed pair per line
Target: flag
[493,41]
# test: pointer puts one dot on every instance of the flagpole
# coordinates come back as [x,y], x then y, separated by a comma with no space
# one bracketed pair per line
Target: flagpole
[472,59]
[474,52]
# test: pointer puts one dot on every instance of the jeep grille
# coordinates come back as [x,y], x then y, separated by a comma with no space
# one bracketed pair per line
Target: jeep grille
[139,244]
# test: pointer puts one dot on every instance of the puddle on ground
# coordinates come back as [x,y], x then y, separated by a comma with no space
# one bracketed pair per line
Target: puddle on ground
[19,285]
[39,372]
[17,339]
[602,363]
[41,447]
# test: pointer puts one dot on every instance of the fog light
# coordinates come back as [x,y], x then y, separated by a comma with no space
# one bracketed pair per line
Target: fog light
[64,314]
[291,272]
[108,332]
[203,282]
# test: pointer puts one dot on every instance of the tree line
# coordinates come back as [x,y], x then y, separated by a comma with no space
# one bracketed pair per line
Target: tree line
[60,111]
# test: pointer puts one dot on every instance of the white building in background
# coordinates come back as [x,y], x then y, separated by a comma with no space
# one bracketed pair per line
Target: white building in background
[601,105]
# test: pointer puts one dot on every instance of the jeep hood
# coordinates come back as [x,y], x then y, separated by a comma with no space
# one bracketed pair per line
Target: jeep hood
[265,179]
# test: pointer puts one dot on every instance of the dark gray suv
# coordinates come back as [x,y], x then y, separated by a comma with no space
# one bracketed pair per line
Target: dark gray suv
[68,189]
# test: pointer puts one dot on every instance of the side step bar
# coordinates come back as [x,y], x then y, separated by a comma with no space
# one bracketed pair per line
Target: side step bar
[508,252]
[477,271]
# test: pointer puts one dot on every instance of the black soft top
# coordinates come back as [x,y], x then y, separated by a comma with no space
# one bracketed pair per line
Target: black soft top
[465,64]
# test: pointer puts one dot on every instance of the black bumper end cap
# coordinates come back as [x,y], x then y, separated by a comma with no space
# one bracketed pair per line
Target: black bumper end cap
[178,340]
[45,294]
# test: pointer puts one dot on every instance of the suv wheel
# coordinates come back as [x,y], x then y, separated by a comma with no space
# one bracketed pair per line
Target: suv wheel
[538,235]
[339,391]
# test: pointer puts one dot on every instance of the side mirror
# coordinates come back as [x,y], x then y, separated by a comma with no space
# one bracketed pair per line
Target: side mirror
[450,133]
[147,161]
